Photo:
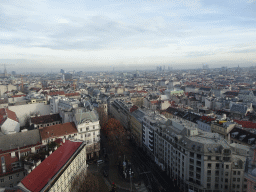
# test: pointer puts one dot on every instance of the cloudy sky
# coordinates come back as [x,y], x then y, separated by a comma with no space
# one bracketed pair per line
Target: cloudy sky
[37,34]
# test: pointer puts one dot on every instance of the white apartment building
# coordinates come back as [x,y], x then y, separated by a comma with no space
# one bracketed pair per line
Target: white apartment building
[88,127]
[149,125]
[200,161]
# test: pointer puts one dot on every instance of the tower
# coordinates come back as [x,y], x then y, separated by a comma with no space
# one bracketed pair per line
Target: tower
[5,71]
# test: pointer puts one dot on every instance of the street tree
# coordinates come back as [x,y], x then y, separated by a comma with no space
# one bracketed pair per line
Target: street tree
[85,183]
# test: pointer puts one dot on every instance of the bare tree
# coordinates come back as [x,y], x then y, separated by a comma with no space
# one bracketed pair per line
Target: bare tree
[85,183]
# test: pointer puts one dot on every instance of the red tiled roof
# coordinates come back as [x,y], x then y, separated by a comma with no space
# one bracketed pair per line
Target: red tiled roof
[154,102]
[133,108]
[206,118]
[11,115]
[55,93]
[58,130]
[71,94]
[39,177]
[45,119]
[5,112]
[246,124]
[18,96]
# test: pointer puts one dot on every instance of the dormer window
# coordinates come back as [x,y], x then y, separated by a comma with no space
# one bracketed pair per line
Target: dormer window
[234,134]
[242,137]
[251,140]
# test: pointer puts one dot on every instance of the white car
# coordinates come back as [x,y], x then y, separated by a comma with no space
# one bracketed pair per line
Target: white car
[100,162]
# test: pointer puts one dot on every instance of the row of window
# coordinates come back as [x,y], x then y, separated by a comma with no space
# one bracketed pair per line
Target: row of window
[11,177]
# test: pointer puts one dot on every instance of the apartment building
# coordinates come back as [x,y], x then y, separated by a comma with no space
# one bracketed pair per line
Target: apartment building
[136,118]
[14,147]
[204,123]
[150,123]
[200,161]
[45,120]
[57,172]
[120,110]
[250,171]
[222,128]
[58,131]
[88,130]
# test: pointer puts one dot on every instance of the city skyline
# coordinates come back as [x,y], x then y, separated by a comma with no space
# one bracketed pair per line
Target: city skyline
[61,34]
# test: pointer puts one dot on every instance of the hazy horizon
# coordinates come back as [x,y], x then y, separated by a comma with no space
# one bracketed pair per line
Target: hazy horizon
[36,34]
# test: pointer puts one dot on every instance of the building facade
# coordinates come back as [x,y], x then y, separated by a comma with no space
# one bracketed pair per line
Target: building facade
[57,172]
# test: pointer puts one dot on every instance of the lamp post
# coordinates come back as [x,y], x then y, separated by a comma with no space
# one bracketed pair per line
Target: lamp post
[130,172]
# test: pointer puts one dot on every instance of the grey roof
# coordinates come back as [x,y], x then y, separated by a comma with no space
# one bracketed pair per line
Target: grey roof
[20,139]
[238,108]
[138,114]
[86,116]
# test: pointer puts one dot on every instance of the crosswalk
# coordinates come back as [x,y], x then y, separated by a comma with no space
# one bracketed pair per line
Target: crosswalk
[140,188]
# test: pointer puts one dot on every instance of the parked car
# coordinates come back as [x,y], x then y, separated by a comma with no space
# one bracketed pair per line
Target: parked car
[100,162]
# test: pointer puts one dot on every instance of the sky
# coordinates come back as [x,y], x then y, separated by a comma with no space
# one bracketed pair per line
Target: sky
[126,34]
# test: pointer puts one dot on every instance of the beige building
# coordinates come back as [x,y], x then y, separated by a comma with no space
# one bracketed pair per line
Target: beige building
[57,172]
[222,128]
[136,118]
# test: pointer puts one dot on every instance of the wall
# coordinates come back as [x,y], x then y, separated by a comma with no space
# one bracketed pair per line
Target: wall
[24,110]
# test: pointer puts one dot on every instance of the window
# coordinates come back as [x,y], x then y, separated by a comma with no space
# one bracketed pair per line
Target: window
[234,179]
[81,129]
[209,166]
[93,133]
[87,128]
[216,186]
[208,179]
[226,180]
[11,185]
[217,158]
[226,187]
[238,179]
[209,158]
[227,166]
[234,173]
[3,165]
[208,185]
[238,186]
[198,156]
[17,175]
[10,177]
[238,172]
[1,180]
[81,136]
[191,154]
[209,172]
[216,179]
[226,173]
[93,126]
